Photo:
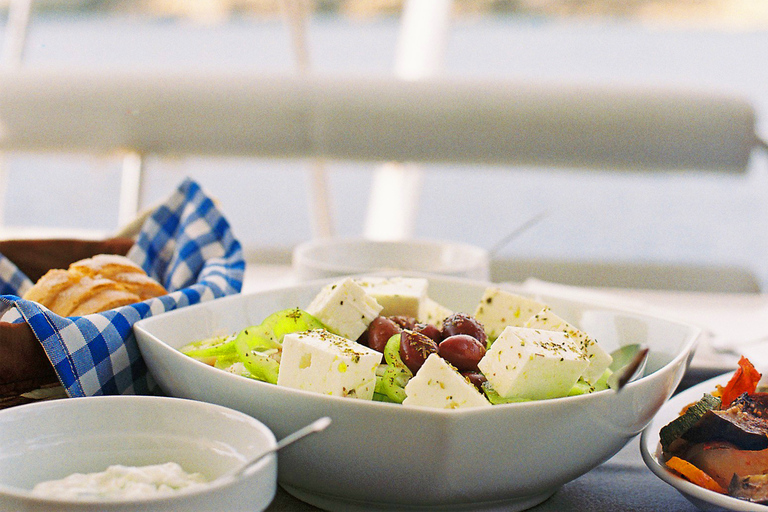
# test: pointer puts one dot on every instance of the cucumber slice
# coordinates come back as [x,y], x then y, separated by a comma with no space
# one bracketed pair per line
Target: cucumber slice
[392,355]
[259,346]
[216,346]
[495,398]
[392,384]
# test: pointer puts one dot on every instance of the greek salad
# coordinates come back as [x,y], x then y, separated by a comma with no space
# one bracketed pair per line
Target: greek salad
[385,339]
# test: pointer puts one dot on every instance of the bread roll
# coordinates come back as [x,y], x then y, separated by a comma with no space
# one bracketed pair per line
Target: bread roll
[92,285]
[122,270]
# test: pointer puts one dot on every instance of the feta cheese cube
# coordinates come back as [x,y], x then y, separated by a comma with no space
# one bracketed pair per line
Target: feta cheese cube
[323,362]
[498,309]
[344,308]
[397,295]
[533,363]
[599,359]
[439,385]
[433,312]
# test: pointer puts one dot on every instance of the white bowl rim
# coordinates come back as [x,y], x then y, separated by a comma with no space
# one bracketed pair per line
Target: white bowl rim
[301,257]
[213,485]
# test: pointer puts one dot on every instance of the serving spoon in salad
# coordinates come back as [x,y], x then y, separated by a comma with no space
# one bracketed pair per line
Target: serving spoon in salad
[318,425]
[628,363]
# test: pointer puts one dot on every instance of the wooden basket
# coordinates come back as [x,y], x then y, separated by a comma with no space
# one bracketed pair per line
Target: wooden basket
[24,365]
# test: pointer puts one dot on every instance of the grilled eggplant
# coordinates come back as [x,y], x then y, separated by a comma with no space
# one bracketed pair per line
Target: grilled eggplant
[744,424]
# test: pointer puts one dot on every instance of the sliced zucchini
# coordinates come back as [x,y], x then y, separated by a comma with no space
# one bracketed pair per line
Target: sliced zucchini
[680,425]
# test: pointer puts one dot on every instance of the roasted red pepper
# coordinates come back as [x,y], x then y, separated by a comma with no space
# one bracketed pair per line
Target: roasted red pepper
[743,381]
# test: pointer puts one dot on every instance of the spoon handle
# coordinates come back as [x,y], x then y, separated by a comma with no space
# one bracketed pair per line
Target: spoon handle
[627,373]
[316,426]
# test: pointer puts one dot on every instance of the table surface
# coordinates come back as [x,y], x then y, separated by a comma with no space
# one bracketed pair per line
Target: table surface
[623,482]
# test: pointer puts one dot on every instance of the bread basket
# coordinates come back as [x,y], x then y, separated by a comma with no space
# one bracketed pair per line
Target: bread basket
[186,244]
[24,366]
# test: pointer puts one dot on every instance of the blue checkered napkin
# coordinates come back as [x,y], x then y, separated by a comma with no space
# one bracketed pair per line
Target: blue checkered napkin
[187,245]
[12,280]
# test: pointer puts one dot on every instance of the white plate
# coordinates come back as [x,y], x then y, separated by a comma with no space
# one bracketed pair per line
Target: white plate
[649,447]
[380,456]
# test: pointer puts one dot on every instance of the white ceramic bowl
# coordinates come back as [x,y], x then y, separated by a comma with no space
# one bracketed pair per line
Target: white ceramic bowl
[380,456]
[50,440]
[332,257]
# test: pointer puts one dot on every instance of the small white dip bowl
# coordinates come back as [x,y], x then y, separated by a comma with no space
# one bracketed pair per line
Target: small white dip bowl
[51,440]
[333,257]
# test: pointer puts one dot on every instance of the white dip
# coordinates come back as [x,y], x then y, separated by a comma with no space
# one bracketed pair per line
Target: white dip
[121,482]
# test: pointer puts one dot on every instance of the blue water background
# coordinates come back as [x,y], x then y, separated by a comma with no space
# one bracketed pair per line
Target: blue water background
[689,217]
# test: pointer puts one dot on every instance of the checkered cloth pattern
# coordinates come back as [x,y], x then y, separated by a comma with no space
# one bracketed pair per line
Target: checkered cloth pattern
[186,244]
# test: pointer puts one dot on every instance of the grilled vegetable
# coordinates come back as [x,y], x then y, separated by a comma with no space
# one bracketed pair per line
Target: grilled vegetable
[722,460]
[694,474]
[744,380]
[744,424]
[680,425]
[751,488]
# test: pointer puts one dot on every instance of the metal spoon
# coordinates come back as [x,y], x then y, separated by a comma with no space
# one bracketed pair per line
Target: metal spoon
[629,362]
[314,427]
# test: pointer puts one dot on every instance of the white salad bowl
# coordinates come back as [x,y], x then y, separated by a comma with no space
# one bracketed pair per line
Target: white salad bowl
[383,456]
[51,440]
